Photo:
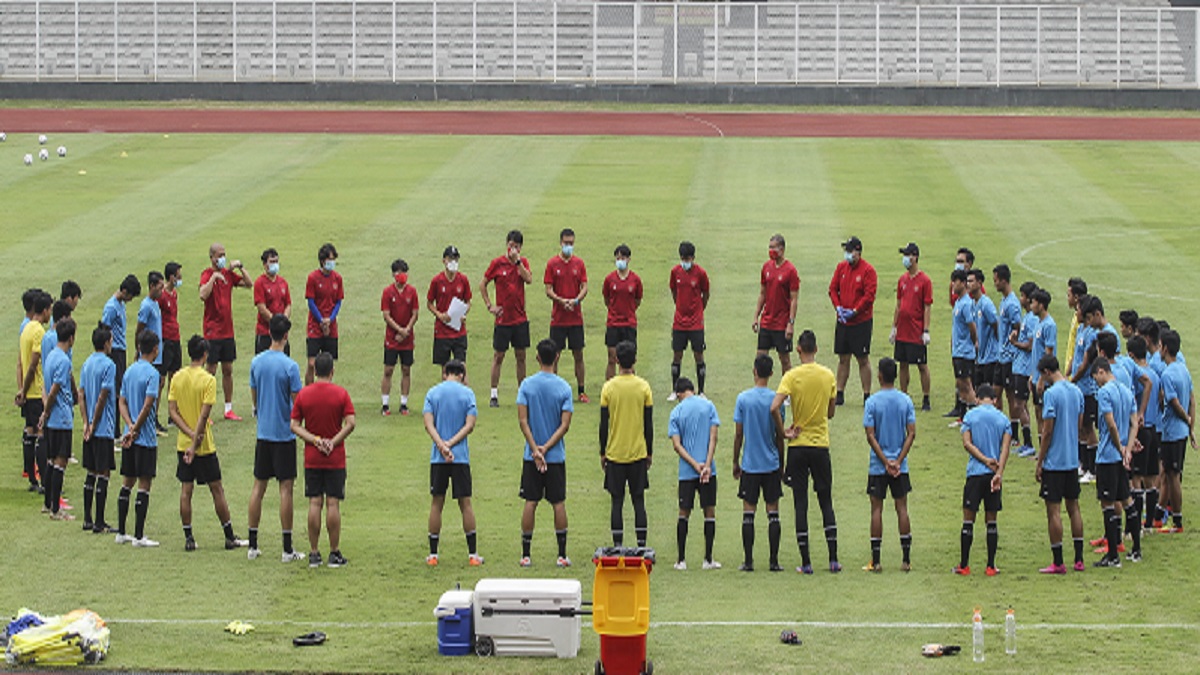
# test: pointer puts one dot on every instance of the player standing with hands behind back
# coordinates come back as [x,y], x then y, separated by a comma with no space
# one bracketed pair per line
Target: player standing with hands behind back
[324,292]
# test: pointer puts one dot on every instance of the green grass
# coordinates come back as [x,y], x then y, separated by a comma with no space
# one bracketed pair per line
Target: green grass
[1123,210]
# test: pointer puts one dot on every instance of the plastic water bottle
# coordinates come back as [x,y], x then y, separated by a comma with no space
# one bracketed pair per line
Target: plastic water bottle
[977,636]
[1010,633]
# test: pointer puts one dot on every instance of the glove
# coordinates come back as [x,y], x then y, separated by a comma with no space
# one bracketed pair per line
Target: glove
[892,336]
[843,314]
[238,628]
[925,338]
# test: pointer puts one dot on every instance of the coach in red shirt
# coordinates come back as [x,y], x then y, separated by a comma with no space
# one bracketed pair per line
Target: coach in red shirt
[168,306]
[622,296]
[775,312]
[271,296]
[216,292]
[910,323]
[852,292]
[324,292]
[448,342]
[400,306]
[689,290]
[567,285]
[510,273]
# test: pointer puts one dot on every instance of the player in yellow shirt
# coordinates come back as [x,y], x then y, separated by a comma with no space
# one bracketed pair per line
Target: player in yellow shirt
[192,396]
[626,442]
[29,393]
[1076,288]
[813,393]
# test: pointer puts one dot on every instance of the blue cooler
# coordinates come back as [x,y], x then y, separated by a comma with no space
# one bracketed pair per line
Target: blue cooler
[453,614]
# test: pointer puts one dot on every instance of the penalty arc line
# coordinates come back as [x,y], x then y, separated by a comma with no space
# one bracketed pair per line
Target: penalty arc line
[1020,260]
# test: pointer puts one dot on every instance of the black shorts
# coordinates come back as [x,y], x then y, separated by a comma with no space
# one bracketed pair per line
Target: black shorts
[325,483]
[804,461]
[567,337]
[275,459]
[119,360]
[1004,375]
[853,338]
[32,410]
[633,474]
[516,336]
[978,491]
[1034,394]
[964,369]
[1020,387]
[1145,463]
[1171,453]
[203,470]
[391,356]
[910,352]
[263,342]
[708,493]
[325,343]
[222,351]
[769,485]
[1112,482]
[58,443]
[681,338]
[445,349]
[551,486]
[1059,485]
[774,339]
[139,461]
[615,335]
[879,486]
[1091,412]
[441,475]
[99,454]
[986,373]
[172,357]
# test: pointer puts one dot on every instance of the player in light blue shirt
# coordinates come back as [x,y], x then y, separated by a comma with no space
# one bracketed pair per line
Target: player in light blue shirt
[544,411]
[450,414]
[97,385]
[149,316]
[1143,468]
[985,436]
[58,417]
[1178,419]
[987,325]
[757,464]
[1045,337]
[963,341]
[890,423]
[113,316]
[1058,460]
[692,429]
[1118,430]
[1023,368]
[139,461]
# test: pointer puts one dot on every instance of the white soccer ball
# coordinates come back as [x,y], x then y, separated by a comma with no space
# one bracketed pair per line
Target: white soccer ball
[3,137]
[62,151]
[42,139]
[43,154]
[28,159]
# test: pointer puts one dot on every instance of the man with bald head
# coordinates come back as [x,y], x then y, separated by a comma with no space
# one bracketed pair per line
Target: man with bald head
[217,282]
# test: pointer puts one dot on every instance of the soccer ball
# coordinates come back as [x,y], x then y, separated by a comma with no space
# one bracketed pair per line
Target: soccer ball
[43,154]
[28,159]
[42,139]
[62,151]
[3,137]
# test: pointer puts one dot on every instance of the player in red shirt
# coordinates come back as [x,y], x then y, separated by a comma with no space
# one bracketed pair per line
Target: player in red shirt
[448,342]
[775,311]
[400,307]
[323,416]
[216,292]
[852,292]
[567,286]
[622,293]
[271,296]
[324,292]
[690,291]
[910,322]
[168,305]
[510,273]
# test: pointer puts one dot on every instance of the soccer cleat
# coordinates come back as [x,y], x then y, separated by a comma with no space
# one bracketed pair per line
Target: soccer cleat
[672,397]
[1108,562]
[746,567]
[144,542]
[925,407]
[102,528]
[711,565]
[805,569]
[1026,451]
[841,398]
[1134,557]
[1098,542]
[1170,529]
[475,560]
[189,545]
[1103,549]
[292,556]
[252,554]
[962,571]
[404,409]
[1079,566]
[701,396]
[681,565]
[63,505]
[955,412]
[1086,477]
[123,539]
[431,560]
[905,567]
[991,571]
[336,559]
[775,567]
[235,543]
[872,567]
[232,416]
[314,559]
[385,411]
[954,424]
[583,398]
[1054,569]
[525,562]
[34,487]
[494,403]
[61,515]
[835,566]
[563,561]
[88,525]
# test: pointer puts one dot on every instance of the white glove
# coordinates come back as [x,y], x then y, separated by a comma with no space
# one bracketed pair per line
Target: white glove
[892,336]
[925,338]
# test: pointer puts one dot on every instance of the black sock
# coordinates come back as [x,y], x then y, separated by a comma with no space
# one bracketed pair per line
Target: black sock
[1151,506]
[433,544]
[965,538]
[1112,532]
[228,527]
[1083,456]
[287,541]
[28,443]
[906,546]
[993,542]
[1133,525]
[1178,518]
[675,369]
[876,545]
[101,498]
[748,537]
[39,454]
[831,542]
[802,541]
[925,401]
[1139,498]
[58,475]
[89,493]
[123,508]
[1015,426]
[561,536]
[1056,551]
[616,520]
[253,537]
[639,518]
[681,532]
[1027,436]
[526,543]
[710,535]
[581,389]
[773,532]
[187,532]
[1078,549]
[471,542]
[701,376]
[141,506]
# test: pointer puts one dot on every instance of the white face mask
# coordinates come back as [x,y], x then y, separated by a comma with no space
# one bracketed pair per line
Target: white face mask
[568,249]
[452,266]
[178,283]
[686,266]
[329,265]
[849,256]
[222,263]
[906,261]
[960,266]
[622,264]
[273,268]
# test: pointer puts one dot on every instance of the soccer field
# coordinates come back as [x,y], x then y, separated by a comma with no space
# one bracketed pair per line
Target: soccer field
[1119,214]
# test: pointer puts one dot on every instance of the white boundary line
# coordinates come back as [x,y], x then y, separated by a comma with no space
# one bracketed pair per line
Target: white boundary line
[1020,260]
[705,122]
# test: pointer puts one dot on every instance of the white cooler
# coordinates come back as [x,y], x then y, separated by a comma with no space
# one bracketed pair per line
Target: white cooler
[527,617]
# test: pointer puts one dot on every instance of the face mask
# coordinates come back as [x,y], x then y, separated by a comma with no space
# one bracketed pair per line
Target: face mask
[622,264]
[329,265]
[774,254]
[686,266]
[221,263]
[402,278]
[273,268]
[178,283]
[960,266]
[452,266]
[906,261]
[568,249]
[849,256]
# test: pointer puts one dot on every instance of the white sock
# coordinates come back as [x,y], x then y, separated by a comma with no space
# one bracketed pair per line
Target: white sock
[495,393]
[403,400]
[386,398]
[228,408]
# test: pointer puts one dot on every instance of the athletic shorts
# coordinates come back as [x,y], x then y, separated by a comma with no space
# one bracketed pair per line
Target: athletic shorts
[910,352]
[986,373]
[1171,453]
[325,483]
[681,338]
[634,474]
[222,351]
[1004,375]
[119,360]
[774,340]
[58,443]
[1060,485]
[879,486]
[263,342]
[689,488]
[615,335]
[978,492]
[139,461]
[275,459]
[1034,394]
[516,336]
[1090,413]
[32,410]
[853,338]
[325,343]
[551,485]
[172,357]
[203,470]
[1020,387]
[1145,463]
[391,356]
[964,369]
[804,461]
[445,349]
[99,454]
[769,485]
[442,474]
[567,337]
[1112,482]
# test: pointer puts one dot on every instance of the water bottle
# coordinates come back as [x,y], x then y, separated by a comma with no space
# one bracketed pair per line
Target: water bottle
[977,636]
[1010,633]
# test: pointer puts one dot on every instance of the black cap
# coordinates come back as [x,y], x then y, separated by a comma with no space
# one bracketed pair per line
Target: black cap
[911,249]
[450,252]
[852,244]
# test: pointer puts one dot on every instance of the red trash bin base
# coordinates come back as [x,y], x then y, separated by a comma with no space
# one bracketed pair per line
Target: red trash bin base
[623,655]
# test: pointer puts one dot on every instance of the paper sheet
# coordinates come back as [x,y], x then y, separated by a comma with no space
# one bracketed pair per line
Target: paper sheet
[458,309]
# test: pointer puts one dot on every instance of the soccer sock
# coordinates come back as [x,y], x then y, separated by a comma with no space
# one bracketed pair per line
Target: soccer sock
[1083,456]
[43,472]
[141,506]
[101,498]
[1015,425]
[433,544]
[287,541]
[1139,497]
[1112,531]
[639,518]
[1078,541]
[28,443]
[403,399]
[495,392]
[681,532]
[228,408]
[581,388]
[471,542]
[965,538]
[1056,551]
[675,368]
[228,527]
[89,492]
[561,536]
[906,546]
[1133,525]
[831,542]
[773,532]
[925,401]
[386,399]
[254,537]
[993,542]
[701,375]
[58,475]
[1092,458]
[876,544]
[1178,517]
[123,508]
[616,522]
[187,532]
[526,543]
[802,541]
[748,538]
[1151,506]
[1027,436]
[710,535]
